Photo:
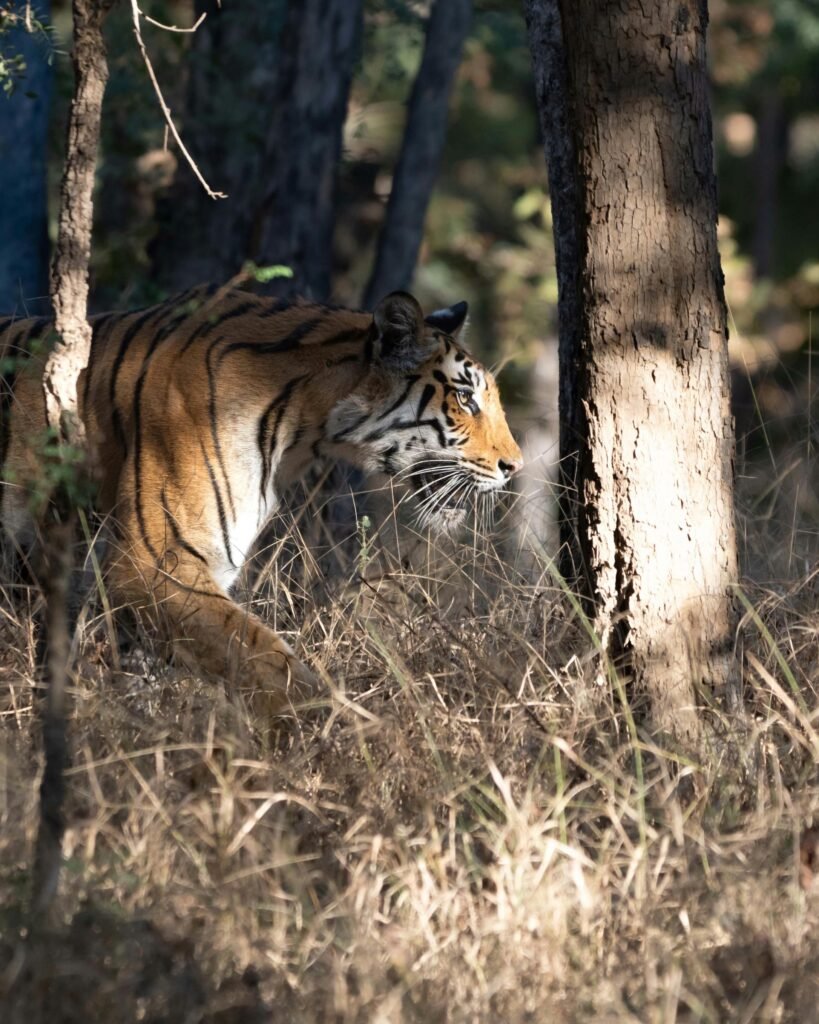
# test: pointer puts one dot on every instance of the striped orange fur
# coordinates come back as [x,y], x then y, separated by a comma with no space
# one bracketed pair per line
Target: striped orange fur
[202,410]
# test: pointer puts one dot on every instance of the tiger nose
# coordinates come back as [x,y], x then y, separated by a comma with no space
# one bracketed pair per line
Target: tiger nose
[509,467]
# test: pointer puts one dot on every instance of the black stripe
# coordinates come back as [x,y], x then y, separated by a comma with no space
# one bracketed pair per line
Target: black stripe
[220,505]
[196,590]
[286,344]
[214,429]
[298,437]
[426,396]
[354,426]
[344,359]
[201,330]
[177,536]
[34,328]
[138,466]
[386,459]
[408,425]
[265,447]
[7,382]
[98,324]
[278,306]
[411,381]
[240,310]
[352,334]
[125,341]
[369,344]
[146,363]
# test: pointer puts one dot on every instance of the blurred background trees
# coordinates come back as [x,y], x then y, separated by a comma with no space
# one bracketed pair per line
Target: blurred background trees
[260,92]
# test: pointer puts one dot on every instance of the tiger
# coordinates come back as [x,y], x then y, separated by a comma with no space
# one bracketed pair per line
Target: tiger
[201,411]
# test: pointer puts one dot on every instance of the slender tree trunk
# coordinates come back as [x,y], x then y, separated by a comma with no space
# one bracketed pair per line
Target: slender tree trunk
[267,101]
[551,76]
[233,89]
[322,42]
[421,150]
[68,357]
[69,277]
[648,408]
[769,162]
[23,155]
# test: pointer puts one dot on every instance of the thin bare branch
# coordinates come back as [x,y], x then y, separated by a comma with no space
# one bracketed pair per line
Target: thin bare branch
[164,106]
[173,28]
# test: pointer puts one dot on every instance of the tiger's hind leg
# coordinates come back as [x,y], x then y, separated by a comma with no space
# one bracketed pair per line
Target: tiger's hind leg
[210,632]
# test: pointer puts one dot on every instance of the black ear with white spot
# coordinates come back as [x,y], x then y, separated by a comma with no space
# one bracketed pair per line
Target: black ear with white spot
[399,324]
[450,320]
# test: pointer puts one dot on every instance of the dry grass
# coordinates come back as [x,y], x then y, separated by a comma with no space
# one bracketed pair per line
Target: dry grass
[465,833]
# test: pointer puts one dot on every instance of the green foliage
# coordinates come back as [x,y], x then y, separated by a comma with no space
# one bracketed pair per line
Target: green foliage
[14,19]
[264,274]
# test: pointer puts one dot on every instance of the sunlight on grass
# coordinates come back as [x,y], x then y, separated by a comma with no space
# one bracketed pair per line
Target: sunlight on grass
[476,829]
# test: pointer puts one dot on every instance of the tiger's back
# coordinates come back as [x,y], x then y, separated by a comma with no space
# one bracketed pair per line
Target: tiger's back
[199,412]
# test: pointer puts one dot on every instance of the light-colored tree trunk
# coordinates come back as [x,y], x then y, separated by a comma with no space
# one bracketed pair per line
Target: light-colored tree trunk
[646,411]
[68,357]
[69,274]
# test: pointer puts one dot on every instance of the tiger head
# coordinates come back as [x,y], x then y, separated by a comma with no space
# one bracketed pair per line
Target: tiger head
[429,414]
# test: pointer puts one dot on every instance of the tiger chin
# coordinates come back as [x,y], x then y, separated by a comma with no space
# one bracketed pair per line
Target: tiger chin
[201,411]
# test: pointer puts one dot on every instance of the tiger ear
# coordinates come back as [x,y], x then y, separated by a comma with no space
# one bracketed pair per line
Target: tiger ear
[450,320]
[399,325]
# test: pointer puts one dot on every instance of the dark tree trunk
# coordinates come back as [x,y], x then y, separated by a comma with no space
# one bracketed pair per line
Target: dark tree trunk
[421,150]
[769,162]
[69,355]
[23,165]
[551,76]
[647,410]
[267,100]
[232,97]
[321,45]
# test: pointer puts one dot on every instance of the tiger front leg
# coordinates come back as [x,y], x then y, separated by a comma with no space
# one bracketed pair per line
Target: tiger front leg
[211,633]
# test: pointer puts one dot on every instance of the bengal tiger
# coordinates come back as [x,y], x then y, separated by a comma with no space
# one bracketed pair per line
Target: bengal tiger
[199,412]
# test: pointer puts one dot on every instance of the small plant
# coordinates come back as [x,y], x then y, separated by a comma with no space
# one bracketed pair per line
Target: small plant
[363,526]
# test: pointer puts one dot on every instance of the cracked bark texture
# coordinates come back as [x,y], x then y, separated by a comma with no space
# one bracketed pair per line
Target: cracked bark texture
[646,409]
[265,111]
[421,150]
[69,274]
[69,355]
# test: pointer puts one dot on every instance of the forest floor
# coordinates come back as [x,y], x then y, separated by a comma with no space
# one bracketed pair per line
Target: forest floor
[467,829]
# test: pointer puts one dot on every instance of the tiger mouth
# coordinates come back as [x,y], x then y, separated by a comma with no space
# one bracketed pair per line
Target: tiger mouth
[442,502]
[447,496]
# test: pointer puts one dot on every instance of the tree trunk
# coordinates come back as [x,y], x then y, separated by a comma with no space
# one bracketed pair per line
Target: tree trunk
[320,47]
[23,154]
[267,100]
[69,355]
[647,405]
[769,162]
[69,278]
[421,150]
[235,66]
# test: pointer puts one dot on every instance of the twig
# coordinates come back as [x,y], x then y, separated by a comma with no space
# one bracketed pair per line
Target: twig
[164,106]
[174,28]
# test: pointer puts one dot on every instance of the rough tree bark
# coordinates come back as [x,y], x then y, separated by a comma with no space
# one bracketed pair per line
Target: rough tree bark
[645,398]
[69,355]
[421,150]
[231,99]
[23,152]
[320,47]
[266,105]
